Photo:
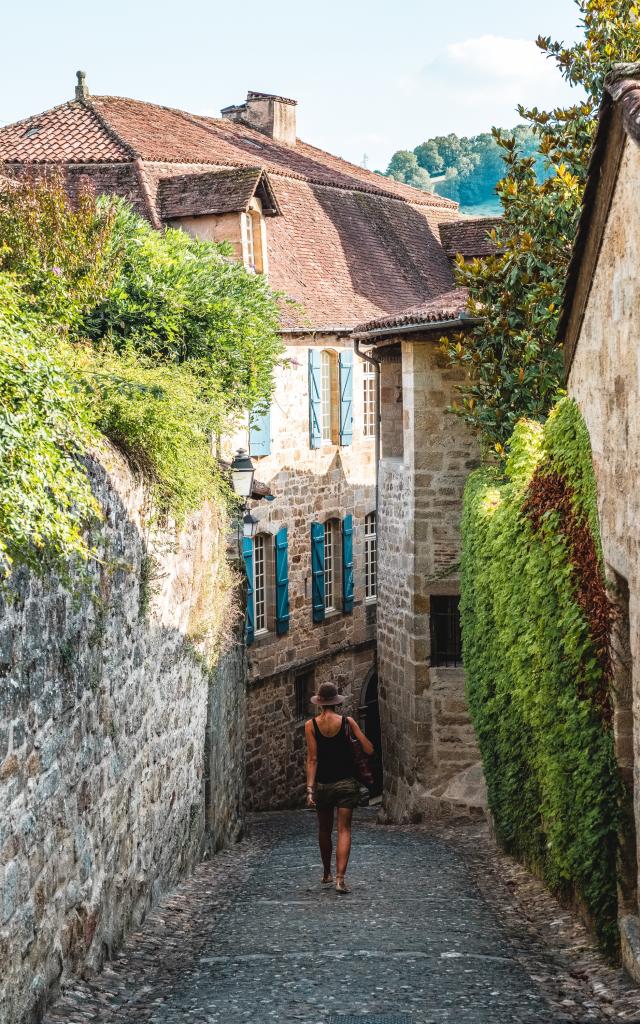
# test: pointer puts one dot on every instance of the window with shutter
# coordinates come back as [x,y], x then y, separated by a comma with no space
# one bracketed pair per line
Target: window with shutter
[317,571]
[346,397]
[247,554]
[260,433]
[315,401]
[347,564]
[282,581]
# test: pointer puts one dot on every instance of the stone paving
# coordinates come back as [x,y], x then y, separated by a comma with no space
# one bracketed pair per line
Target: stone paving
[438,928]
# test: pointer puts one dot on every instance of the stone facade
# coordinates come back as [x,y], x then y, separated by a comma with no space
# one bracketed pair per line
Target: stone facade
[308,485]
[604,379]
[103,712]
[427,455]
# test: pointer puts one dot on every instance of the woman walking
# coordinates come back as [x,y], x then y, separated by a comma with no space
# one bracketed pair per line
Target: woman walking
[331,782]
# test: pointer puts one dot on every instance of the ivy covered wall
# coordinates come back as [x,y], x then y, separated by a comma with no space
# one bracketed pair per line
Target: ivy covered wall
[536,622]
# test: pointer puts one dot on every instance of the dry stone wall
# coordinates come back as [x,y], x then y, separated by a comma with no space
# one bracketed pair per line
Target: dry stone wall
[103,712]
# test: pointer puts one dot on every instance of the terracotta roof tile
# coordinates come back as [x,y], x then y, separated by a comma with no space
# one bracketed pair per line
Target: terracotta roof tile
[70,132]
[469,236]
[350,245]
[448,306]
[214,192]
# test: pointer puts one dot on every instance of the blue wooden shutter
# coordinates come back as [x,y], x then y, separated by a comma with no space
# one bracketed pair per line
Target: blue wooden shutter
[247,554]
[260,433]
[282,581]
[346,397]
[317,571]
[347,565]
[315,427]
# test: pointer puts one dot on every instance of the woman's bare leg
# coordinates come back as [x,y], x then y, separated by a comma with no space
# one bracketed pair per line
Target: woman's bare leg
[343,848]
[325,830]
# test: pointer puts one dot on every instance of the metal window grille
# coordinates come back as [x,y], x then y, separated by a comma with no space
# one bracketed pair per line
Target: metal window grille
[303,690]
[326,395]
[260,582]
[370,558]
[369,418]
[446,638]
[329,558]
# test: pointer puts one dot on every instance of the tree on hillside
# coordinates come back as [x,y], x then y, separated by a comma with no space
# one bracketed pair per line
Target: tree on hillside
[404,167]
[513,360]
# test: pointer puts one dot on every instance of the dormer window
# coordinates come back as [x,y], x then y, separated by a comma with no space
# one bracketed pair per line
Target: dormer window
[254,238]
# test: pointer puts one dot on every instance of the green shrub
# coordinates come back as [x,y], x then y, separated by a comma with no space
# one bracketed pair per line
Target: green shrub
[45,497]
[534,610]
[155,415]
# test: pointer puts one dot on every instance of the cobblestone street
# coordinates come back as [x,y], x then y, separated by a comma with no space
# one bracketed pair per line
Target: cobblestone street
[438,928]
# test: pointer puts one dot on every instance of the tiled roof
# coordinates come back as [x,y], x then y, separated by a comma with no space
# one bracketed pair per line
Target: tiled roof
[469,236]
[214,192]
[447,306]
[350,245]
[69,133]
[105,128]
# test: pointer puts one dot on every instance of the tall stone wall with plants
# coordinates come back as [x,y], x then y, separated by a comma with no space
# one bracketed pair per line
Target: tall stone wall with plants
[104,696]
[536,624]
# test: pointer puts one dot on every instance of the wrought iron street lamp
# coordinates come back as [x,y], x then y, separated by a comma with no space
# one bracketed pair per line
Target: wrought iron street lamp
[250,524]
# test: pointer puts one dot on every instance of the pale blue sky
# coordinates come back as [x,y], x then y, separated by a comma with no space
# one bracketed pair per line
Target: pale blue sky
[370,76]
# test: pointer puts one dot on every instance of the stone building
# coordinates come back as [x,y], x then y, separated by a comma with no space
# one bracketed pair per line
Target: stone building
[600,326]
[431,759]
[346,246]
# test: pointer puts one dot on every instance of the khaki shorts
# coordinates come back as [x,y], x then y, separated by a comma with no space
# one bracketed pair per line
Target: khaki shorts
[345,793]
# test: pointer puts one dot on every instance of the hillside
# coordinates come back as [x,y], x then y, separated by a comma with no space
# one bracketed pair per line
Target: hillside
[466,169]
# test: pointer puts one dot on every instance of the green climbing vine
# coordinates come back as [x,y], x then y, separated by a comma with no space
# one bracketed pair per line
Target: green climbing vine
[536,621]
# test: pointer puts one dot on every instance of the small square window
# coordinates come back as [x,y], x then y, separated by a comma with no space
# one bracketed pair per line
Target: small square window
[446,639]
[304,687]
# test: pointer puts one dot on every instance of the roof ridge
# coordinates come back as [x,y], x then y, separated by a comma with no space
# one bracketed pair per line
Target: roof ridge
[102,121]
[201,121]
[34,117]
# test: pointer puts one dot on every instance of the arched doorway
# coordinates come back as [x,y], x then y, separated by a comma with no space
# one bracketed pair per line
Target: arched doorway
[370,722]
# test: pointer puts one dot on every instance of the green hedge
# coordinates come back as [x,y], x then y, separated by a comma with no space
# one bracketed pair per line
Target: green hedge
[534,615]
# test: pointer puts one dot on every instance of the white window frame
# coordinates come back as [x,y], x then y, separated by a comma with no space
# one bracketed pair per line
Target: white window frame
[371,558]
[260,584]
[369,401]
[250,246]
[330,553]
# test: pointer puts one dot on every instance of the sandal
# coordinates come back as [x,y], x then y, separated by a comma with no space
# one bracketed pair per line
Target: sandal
[327,879]
[340,885]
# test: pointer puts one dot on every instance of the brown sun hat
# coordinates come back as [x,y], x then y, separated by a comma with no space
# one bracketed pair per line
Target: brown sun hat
[327,694]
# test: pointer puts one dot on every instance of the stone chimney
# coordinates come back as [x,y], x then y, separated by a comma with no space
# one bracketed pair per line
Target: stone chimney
[82,89]
[274,116]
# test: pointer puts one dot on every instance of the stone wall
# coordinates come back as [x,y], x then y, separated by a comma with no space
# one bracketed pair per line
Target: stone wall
[103,709]
[427,734]
[308,484]
[605,381]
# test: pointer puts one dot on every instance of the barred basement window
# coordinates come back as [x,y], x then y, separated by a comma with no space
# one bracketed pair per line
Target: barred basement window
[446,639]
[330,561]
[260,548]
[369,418]
[370,558]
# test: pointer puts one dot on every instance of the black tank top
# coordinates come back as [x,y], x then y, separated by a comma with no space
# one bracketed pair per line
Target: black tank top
[334,755]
